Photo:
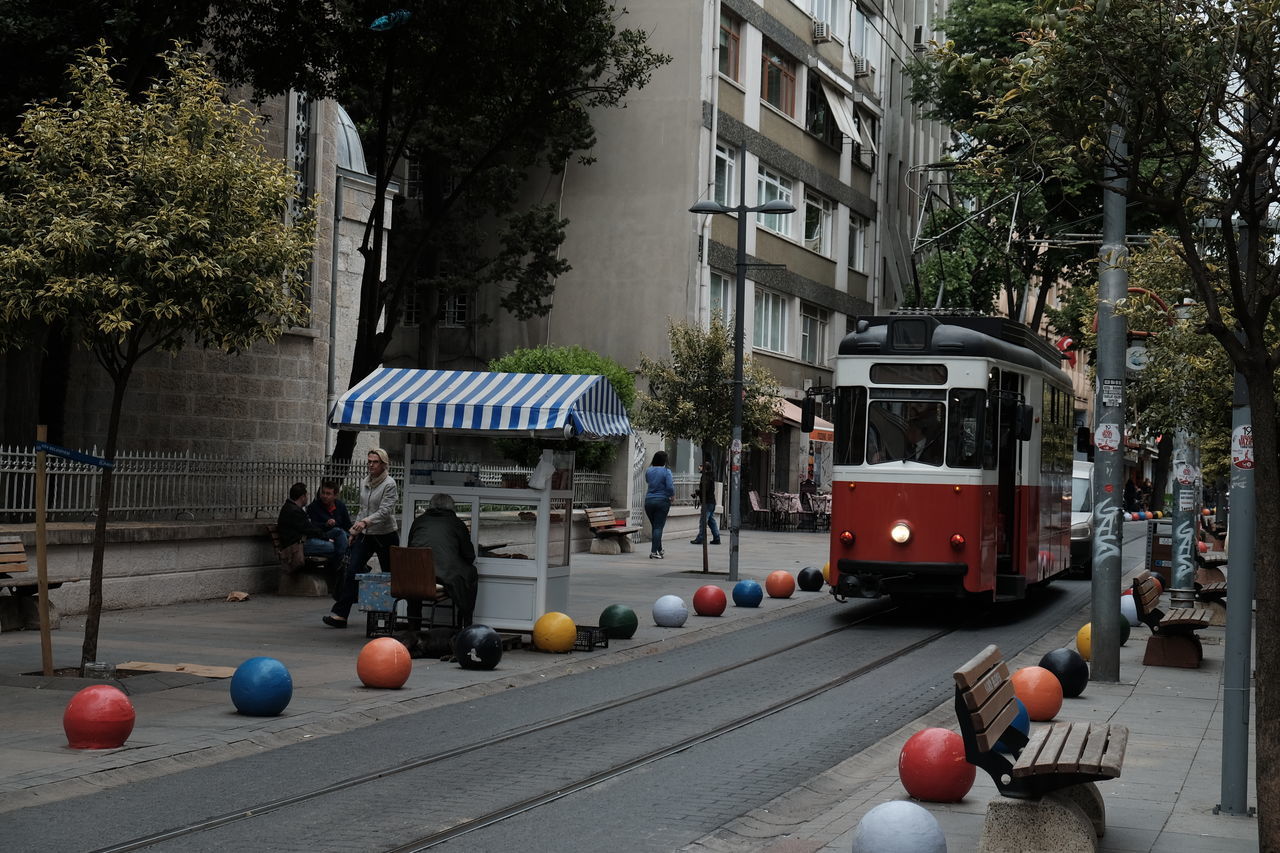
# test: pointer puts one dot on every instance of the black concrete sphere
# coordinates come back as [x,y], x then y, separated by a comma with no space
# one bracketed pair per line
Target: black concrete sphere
[619,622]
[810,579]
[1070,668]
[477,647]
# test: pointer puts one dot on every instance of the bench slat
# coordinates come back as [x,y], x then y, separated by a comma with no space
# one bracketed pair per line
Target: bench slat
[13,562]
[1091,755]
[986,687]
[1072,747]
[977,667]
[1117,740]
[998,719]
[1031,752]
[1052,754]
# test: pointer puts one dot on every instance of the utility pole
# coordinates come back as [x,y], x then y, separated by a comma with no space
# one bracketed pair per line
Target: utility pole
[1109,425]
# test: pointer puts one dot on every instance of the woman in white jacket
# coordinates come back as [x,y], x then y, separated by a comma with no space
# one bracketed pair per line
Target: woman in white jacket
[374,532]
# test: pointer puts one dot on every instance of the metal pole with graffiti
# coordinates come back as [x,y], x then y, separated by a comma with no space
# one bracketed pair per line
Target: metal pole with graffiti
[1182,592]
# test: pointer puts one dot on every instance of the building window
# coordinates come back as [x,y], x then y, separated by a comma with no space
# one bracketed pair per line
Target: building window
[819,213]
[413,180]
[456,310]
[829,12]
[726,175]
[818,119]
[813,333]
[778,78]
[857,243]
[771,321]
[770,186]
[722,298]
[866,37]
[411,309]
[730,38]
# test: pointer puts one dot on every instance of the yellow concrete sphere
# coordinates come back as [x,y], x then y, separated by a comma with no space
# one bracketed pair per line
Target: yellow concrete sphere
[554,632]
[826,573]
[1084,640]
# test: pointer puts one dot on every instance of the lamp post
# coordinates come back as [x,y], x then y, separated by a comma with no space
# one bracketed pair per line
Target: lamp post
[739,297]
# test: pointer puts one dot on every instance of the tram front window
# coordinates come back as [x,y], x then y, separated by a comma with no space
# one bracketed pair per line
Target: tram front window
[905,430]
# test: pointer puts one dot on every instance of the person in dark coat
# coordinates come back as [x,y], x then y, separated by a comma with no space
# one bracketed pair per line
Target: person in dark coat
[293,525]
[440,529]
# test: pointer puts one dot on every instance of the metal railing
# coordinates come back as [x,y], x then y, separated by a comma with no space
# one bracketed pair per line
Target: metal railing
[169,486]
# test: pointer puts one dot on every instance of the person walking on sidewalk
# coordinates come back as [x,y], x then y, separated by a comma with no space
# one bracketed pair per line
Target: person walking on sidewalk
[376,531]
[657,500]
[706,496]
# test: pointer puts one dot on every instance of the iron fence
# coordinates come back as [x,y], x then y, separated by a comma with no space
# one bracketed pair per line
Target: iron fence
[169,486]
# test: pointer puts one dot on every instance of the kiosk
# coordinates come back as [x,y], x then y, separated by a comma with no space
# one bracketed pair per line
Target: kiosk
[520,525]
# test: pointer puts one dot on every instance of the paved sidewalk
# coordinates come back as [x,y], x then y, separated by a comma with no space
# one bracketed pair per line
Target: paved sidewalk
[1163,802]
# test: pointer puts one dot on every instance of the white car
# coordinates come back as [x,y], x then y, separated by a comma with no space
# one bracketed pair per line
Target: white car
[1082,517]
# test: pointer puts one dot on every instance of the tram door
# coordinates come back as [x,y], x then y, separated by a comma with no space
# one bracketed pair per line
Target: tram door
[1008,397]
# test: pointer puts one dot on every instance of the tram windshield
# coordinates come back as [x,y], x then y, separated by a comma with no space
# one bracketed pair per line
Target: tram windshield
[931,427]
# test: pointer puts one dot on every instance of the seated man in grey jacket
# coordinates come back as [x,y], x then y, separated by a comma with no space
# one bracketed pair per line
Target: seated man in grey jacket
[440,529]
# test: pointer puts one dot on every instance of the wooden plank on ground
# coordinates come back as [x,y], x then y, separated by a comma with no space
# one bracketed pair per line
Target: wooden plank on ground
[200,669]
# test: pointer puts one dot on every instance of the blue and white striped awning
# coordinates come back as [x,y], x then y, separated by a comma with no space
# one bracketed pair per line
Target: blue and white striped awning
[472,401]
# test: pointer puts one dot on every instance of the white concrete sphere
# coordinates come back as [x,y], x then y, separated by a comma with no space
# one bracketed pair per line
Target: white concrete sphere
[670,612]
[899,826]
[1129,610]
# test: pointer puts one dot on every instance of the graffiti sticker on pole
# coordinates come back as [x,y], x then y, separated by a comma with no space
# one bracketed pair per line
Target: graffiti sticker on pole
[1242,447]
[1107,437]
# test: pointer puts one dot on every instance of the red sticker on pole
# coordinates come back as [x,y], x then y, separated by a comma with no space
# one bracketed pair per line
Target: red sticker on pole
[1107,437]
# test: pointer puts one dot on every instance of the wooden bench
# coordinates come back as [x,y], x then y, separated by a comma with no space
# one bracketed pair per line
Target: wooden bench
[610,537]
[1049,799]
[314,577]
[19,609]
[1173,640]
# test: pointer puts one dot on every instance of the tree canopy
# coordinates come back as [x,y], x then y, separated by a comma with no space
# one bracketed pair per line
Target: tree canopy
[691,395]
[146,225]
[477,96]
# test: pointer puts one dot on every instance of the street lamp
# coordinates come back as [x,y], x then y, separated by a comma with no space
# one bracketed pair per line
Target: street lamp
[740,289]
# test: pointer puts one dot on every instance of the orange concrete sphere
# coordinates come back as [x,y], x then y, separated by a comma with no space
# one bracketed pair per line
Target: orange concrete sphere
[1040,690]
[554,632]
[384,663]
[780,584]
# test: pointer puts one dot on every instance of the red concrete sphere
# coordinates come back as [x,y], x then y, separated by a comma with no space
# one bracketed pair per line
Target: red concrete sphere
[98,717]
[780,584]
[1040,690]
[384,663]
[933,768]
[709,600]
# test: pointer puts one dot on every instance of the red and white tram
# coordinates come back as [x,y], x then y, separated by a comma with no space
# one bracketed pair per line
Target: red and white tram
[952,459]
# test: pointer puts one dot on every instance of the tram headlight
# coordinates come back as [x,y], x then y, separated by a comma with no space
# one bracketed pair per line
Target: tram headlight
[846,537]
[957,541]
[900,533]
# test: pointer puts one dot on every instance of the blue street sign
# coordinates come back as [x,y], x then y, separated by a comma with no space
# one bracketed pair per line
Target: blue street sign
[73,455]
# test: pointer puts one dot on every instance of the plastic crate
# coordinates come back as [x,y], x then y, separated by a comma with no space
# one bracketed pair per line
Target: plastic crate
[379,623]
[590,637]
[375,591]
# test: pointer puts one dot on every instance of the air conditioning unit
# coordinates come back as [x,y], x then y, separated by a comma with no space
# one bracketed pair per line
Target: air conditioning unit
[821,31]
[861,68]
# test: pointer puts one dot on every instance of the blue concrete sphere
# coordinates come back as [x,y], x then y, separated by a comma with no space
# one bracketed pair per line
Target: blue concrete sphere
[748,594]
[1070,668]
[261,687]
[899,826]
[810,579]
[477,647]
[670,612]
[1022,723]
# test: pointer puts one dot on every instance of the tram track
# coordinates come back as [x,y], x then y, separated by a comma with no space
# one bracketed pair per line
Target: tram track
[567,787]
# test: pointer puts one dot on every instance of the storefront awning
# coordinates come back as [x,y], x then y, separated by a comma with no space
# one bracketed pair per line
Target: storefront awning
[461,401]
[790,413]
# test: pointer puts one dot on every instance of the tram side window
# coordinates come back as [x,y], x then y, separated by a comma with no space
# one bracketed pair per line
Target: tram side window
[964,431]
[851,425]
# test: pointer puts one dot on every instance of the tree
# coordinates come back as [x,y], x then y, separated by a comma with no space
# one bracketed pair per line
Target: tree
[38,40]
[1195,86]
[475,130]
[691,395]
[145,226]
[592,455]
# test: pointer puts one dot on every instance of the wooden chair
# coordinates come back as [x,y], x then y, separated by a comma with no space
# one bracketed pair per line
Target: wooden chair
[1173,640]
[413,580]
[760,516]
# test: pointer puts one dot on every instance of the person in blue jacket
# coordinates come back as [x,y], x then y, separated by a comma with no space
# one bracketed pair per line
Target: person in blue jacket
[657,500]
